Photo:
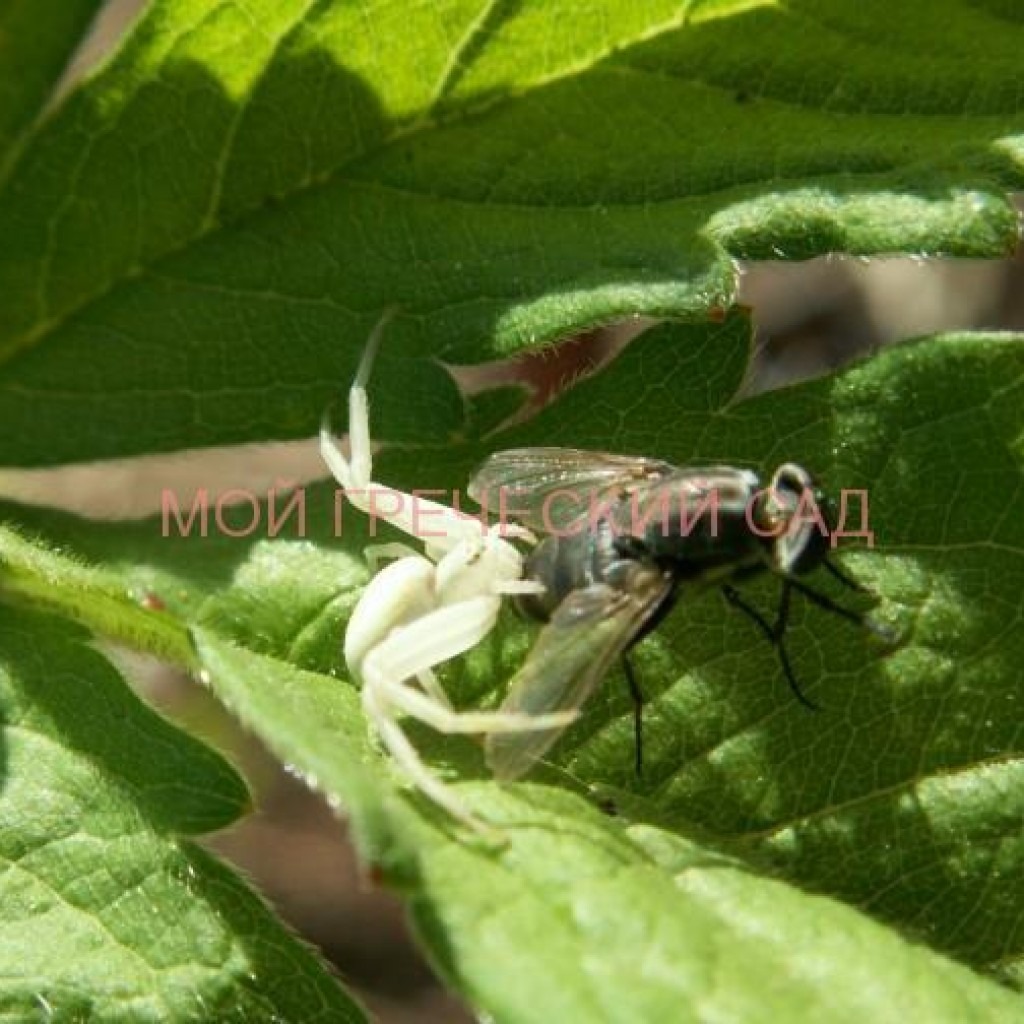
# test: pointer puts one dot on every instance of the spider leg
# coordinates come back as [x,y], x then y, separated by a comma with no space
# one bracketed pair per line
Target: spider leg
[408,652]
[375,554]
[847,581]
[415,515]
[355,474]
[431,640]
[432,688]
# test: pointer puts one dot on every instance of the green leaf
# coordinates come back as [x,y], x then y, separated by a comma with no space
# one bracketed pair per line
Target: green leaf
[902,796]
[36,40]
[313,722]
[109,914]
[146,583]
[577,920]
[31,573]
[197,242]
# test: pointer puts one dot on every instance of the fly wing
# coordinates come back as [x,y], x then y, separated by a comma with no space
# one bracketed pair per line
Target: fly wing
[547,489]
[589,631]
[683,497]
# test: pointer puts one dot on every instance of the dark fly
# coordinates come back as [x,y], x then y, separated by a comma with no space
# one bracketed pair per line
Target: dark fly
[622,538]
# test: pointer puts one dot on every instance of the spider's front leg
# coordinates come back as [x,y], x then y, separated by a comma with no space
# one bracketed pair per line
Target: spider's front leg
[412,514]
[406,653]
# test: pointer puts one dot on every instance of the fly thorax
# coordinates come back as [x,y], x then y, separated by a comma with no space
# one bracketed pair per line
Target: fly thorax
[571,560]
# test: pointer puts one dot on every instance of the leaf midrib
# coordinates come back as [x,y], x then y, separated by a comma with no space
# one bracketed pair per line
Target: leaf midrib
[409,128]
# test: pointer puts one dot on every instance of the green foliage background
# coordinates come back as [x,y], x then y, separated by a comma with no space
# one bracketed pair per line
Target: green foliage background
[195,243]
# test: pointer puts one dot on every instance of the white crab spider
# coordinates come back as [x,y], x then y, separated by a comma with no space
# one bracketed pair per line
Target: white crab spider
[423,609]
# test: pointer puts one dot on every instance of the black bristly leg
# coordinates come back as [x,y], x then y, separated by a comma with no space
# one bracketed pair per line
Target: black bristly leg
[847,581]
[638,715]
[825,602]
[857,618]
[775,633]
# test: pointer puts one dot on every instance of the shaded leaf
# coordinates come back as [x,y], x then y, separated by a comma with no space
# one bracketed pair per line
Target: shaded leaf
[195,246]
[36,41]
[31,573]
[109,914]
[198,241]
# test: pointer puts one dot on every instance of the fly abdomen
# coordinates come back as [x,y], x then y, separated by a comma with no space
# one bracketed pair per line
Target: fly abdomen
[565,563]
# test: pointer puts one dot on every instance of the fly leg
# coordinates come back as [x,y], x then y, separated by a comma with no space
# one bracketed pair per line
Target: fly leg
[857,618]
[847,581]
[637,696]
[775,632]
